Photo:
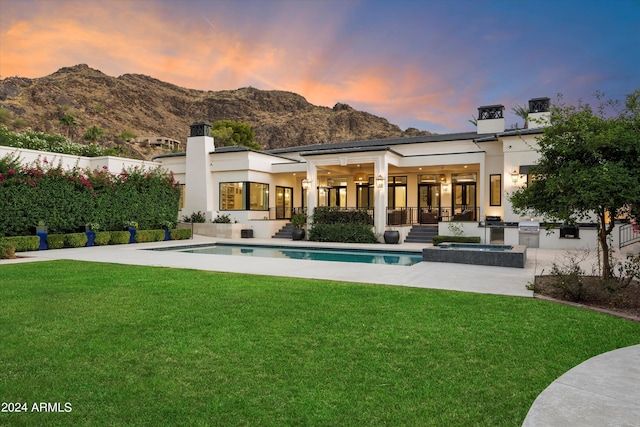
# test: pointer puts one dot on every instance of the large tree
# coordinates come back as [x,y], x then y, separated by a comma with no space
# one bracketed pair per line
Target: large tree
[228,133]
[589,166]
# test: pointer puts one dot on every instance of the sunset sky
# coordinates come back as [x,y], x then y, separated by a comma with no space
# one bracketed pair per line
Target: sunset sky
[423,64]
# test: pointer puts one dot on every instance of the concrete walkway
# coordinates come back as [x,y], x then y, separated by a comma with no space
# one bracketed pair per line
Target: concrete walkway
[603,391]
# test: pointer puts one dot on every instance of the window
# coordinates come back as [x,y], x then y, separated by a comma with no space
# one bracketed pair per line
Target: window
[397,192]
[495,190]
[236,196]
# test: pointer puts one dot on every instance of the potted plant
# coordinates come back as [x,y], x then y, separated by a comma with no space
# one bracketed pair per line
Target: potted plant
[132,226]
[90,231]
[391,236]
[298,221]
[167,226]
[42,231]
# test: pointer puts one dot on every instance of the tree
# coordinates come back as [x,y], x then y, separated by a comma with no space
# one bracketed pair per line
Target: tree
[230,133]
[68,121]
[523,112]
[93,134]
[589,165]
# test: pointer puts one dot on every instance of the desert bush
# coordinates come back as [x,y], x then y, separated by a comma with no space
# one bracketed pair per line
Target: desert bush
[55,241]
[75,240]
[119,237]
[455,239]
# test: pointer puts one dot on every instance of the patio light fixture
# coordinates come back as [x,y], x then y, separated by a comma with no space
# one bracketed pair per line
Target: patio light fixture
[514,177]
[380,181]
[306,184]
[360,177]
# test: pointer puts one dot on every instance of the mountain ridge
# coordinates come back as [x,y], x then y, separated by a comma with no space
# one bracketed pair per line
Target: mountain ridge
[145,106]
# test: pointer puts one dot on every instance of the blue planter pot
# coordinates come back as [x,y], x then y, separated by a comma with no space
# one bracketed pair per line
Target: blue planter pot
[90,238]
[43,240]
[132,232]
[167,234]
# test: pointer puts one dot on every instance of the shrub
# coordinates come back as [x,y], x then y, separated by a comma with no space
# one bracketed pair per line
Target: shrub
[119,237]
[75,240]
[333,215]
[143,236]
[455,239]
[24,243]
[181,234]
[102,238]
[345,233]
[7,249]
[220,219]
[195,217]
[55,241]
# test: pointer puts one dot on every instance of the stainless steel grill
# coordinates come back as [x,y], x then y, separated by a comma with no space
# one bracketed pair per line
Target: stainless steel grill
[529,233]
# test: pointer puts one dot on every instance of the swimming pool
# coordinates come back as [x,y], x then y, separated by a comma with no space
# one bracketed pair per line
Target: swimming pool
[305,253]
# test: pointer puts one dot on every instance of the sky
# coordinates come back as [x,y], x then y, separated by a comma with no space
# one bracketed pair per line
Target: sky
[425,64]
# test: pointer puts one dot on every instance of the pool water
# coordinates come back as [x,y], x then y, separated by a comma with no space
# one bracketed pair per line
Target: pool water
[314,254]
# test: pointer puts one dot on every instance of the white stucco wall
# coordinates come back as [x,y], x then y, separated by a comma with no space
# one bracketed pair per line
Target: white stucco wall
[114,164]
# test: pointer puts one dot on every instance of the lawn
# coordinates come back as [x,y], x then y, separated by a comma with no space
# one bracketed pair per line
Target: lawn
[128,345]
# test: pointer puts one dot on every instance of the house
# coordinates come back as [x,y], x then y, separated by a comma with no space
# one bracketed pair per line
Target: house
[435,180]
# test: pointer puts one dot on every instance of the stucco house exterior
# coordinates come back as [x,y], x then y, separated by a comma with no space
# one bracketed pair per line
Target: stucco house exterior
[404,183]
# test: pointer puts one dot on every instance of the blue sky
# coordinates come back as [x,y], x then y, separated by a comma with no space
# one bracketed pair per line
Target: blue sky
[423,64]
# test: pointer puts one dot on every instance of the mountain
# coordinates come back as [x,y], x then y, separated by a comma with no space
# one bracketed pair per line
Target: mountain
[144,106]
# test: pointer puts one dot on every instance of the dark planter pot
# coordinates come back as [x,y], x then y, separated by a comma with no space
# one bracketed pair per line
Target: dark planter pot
[297,234]
[167,234]
[43,240]
[91,236]
[391,237]
[132,235]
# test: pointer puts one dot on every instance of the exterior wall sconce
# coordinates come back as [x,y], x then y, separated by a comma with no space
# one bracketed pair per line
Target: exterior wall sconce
[380,181]
[445,186]
[514,177]
[306,184]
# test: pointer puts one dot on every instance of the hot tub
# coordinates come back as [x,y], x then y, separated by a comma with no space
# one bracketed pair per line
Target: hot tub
[478,254]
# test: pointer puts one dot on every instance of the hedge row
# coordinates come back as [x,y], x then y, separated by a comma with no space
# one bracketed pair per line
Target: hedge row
[344,233]
[333,215]
[454,239]
[66,200]
[10,245]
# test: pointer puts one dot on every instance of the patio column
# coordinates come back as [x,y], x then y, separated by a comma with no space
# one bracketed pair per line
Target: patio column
[199,181]
[380,169]
[312,177]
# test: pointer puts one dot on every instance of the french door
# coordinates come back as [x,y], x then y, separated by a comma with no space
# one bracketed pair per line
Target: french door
[284,202]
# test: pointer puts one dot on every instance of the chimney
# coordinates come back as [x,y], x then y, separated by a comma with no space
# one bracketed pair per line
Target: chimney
[490,119]
[199,190]
[539,114]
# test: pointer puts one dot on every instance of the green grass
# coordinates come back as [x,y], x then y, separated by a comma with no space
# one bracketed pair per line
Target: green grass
[129,345]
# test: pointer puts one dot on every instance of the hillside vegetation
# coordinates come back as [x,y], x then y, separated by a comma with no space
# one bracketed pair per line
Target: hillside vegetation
[138,105]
